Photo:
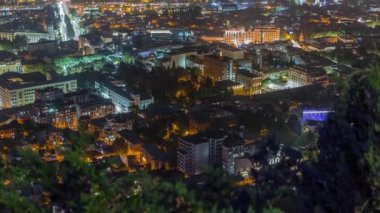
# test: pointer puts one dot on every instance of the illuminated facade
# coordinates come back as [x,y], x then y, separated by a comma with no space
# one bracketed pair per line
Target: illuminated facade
[233,148]
[260,34]
[302,75]
[315,115]
[252,83]
[31,36]
[96,110]
[59,116]
[177,35]
[65,111]
[9,63]
[19,89]
[8,131]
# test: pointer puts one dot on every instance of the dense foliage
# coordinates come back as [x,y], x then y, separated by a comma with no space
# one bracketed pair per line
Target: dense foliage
[345,175]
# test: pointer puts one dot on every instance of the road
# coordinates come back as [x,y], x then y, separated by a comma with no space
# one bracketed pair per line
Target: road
[63,12]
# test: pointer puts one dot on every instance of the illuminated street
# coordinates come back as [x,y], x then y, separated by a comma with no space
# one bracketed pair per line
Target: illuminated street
[63,13]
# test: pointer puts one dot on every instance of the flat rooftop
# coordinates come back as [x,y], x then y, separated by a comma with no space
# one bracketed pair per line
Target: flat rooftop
[14,80]
[204,137]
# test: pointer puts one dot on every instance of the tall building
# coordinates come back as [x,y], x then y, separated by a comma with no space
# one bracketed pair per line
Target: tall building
[197,153]
[19,89]
[233,148]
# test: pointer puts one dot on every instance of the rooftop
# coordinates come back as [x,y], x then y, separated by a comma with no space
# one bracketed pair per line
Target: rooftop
[249,74]
[13,80]
[229,47]
[130,136]
[156,153]
[217,57]
[203,137]
[122,91]
[310,70]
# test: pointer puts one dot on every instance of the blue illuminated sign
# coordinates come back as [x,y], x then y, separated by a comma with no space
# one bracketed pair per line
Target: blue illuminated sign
[315,115]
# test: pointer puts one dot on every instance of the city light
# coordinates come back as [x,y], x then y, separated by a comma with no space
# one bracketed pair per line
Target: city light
[189,106]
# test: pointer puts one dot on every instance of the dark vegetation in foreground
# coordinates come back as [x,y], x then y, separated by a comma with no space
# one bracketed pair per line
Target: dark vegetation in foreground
[341,173]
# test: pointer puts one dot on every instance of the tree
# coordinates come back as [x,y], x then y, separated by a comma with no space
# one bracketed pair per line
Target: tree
[346,175]
[74,185]
[20,42]
[294,124]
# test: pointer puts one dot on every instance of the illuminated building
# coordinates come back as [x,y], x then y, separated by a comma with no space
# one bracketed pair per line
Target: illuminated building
[171,35]
[260,34]
[96,109]
[264,34]
[9,63]
[32,37]
[212,39]
[347,43]
[302,75]
[313,119]
[252,82]
[108,126]
[178,58]
[315,115]
[197,153]
[236,36]
[231,86]
[121,97]
[231,52]
[64,112]
[114,122]
[233,148]
[312,2]
[19,89]
[58,114]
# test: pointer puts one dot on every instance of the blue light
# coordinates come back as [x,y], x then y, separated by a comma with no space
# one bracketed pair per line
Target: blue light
[315,115]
